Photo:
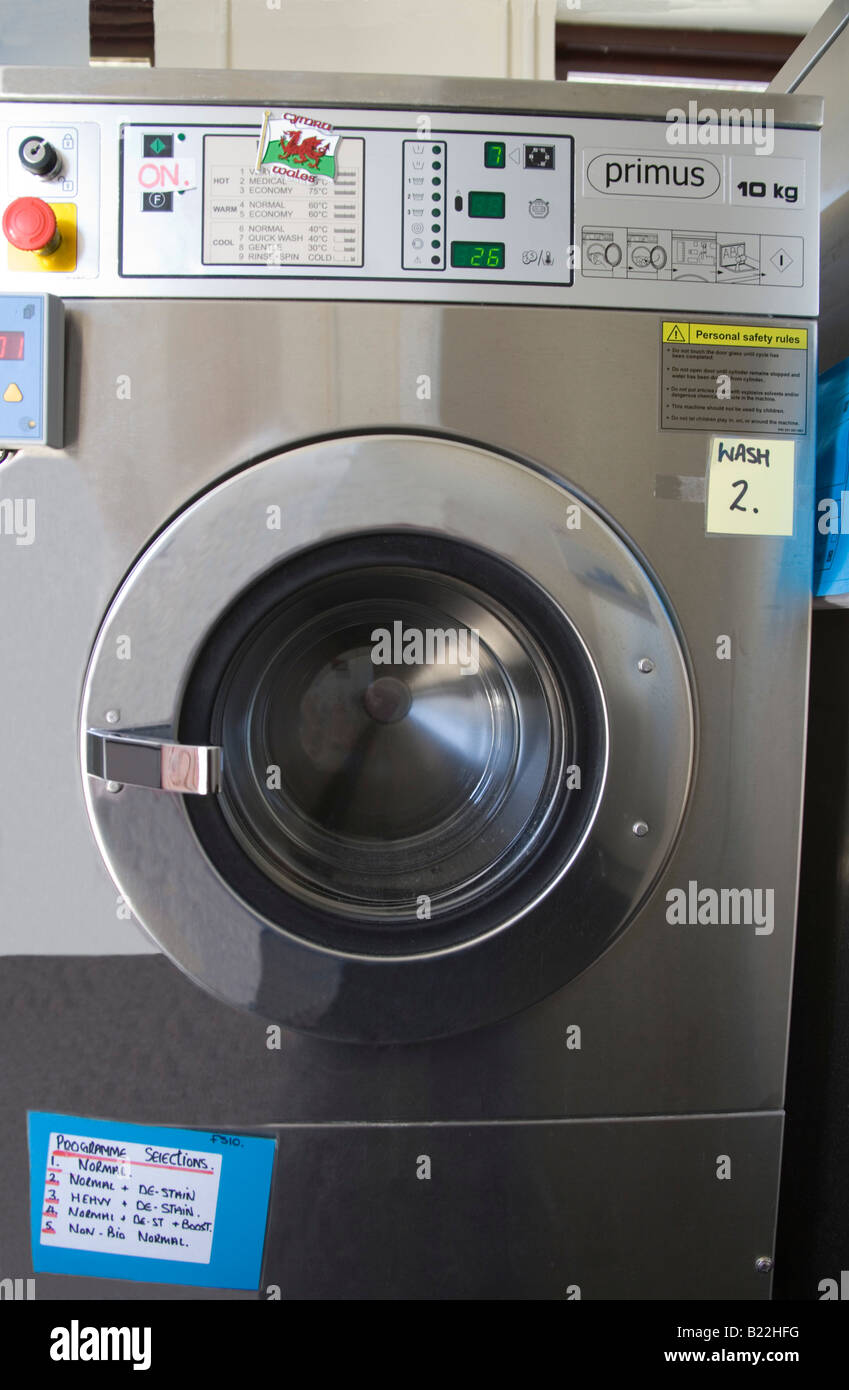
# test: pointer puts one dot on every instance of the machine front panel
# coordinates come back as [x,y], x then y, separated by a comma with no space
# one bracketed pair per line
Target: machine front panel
[103,497]
[441,206]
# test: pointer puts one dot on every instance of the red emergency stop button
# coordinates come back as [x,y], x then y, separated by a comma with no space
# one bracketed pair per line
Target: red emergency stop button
[29,224]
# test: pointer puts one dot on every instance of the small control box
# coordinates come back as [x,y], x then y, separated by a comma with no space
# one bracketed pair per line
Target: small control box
[32,370]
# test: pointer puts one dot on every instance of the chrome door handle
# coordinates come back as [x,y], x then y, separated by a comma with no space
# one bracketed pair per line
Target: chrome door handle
[135,761]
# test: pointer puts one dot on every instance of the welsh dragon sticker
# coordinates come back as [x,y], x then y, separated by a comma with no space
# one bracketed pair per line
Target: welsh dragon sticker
[297,146]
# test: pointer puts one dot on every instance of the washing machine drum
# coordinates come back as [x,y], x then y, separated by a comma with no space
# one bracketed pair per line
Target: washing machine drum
[386,737]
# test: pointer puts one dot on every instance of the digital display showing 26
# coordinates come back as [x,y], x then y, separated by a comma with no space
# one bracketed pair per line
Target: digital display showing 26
[478,255]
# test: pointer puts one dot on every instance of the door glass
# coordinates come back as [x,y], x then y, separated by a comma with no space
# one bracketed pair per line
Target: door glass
[389,732]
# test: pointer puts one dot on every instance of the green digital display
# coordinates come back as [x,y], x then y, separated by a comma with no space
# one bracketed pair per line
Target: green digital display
[478,255]
[486,204]
[494,154]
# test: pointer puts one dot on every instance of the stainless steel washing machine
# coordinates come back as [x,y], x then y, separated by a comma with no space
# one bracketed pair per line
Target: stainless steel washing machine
[394,654]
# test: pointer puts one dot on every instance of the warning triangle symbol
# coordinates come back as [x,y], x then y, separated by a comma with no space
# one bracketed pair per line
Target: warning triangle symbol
[674,334]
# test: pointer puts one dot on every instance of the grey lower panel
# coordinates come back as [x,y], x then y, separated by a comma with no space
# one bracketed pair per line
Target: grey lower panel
[596,1209]
[625,1208]
[614,1209]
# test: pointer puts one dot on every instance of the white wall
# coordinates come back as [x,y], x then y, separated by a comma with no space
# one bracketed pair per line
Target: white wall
[464,38]
[761,16]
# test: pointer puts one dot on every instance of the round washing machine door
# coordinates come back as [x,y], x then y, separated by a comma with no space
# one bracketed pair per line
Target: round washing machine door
[386,737]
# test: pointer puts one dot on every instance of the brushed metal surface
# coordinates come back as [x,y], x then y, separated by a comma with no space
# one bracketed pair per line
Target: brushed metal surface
[378,90]
[511,1209]
[351,486]
[526,1211]
[819,65]
[670,1012]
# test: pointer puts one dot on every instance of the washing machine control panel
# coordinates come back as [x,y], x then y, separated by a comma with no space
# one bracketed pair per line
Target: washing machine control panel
[461,206]
[306,201]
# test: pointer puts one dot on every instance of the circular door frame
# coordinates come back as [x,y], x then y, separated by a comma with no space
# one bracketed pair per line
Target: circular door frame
[567,683]
[222,544]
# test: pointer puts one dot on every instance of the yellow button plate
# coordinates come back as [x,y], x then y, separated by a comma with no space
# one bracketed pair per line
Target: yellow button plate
[64,259]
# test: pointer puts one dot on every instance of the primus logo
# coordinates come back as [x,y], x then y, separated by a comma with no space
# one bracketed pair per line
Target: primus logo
[430,646]
[653,176]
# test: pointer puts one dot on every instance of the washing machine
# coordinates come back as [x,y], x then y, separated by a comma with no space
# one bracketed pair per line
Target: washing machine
[404,704]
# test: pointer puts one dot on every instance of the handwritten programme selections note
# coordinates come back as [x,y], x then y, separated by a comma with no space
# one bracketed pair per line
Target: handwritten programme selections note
[114,1196]
[150,1203]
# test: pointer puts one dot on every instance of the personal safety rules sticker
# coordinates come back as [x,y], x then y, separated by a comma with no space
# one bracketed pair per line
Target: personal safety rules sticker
[733,376]
[297,146]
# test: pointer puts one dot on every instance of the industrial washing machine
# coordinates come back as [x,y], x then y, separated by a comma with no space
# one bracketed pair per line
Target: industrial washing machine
[406,578]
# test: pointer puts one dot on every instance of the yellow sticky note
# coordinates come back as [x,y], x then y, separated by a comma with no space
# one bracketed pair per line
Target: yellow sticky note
[750,486]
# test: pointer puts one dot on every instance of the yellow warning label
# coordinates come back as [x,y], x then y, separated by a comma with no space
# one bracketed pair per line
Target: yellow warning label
[676,333]
[744,335]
